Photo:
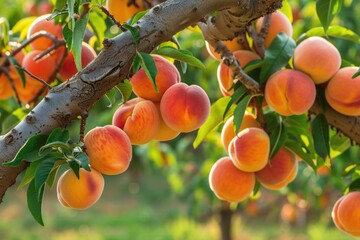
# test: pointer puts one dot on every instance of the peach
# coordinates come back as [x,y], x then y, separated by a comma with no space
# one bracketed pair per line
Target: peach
[224,73]
[347,213]
[318,58]
[42,24]
[80,193]
[185,108]
[285,181]
[229,183]
[139,119]
[109,149]
[167,76]
[278,23]
[249,150]
[290,92]
[232,45]
[335,215]
[165,132]
[343,92]
[68,67]
[280,169]
[121,10]
[228,130]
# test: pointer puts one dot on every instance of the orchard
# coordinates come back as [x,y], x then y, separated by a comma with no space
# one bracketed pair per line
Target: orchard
[241,106]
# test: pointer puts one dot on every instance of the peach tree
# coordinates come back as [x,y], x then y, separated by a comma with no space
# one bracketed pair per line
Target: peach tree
[283,93]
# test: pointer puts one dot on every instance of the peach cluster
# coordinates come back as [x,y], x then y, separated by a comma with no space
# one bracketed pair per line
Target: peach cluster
[345,213]
[232,178]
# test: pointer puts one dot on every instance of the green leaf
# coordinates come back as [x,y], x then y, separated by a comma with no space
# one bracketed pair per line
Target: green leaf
[277,137]
[327,10]
[13,119]
[60,4]
[148,65]
[357,73]
[29,151]
[137,16]
[320,132]
[239,112]
[214,120]
[338,144]
[68,35]
[52,176]
[180,55]
[297,148]
[135,33]
[277,55]
[20,72]
[34,201]
[47,148]
[71,4]
[22,26]
[4,32]
[287,10]
[333,31]
[98,25]
[29,174]
[77,39]
[83,158]
[58,134]
[75,167]
[238,94]
[354,185]
[43,171]
[125,89]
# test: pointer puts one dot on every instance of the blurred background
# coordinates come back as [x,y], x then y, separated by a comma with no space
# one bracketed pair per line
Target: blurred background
[165,193]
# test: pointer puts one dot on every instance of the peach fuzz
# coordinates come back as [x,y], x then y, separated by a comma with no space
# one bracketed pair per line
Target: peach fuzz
[80,193]
[42,24]
[279,169]
[249,150]
[279,22]
[290,92]
[165,132]
[228,130]
[224,73]
[343,92]
[139,119]
[232,45]
[109,149]
[318,58]
[68,67]
[167,76]
[348,213]
[229,183]
[185,108]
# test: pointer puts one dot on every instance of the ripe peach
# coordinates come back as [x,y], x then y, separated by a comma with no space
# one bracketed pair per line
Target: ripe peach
[42,24]
[343,92]
[139,119]
[318,58]
[229,183]
[165,132]
[290,92]
[185,108]
[280,169]
[109,149]
[224,73]
[249,150]
[68,67]
[278,23]
[346,212]
[228,130]
[232,45]
[167,76]
[80,193]
[121,10]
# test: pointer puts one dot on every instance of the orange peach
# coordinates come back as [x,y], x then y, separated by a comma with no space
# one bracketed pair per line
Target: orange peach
[280,169]
[228,130]
[80,193]
[167,76]
[318,58]
[109,149]
[290,92]
[229,183]
[346,213]
[185,108]
[249,150]
[165,132]
[42,24]
[232,45]
[343,92]
[224,73]
[278,23]
[122,11]
[139,119]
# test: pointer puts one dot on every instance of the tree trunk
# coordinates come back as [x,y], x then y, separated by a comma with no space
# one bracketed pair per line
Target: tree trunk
[225,221]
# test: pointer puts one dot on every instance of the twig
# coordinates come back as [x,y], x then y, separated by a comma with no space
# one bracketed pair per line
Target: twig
[104,10]
[35,77]
[259,38]
[84,117]
[8,76]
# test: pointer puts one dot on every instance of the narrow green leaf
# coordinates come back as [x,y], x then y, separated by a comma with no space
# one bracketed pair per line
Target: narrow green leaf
[60,4]
[22,26]
[21,73]
[77,39]
[135,33]
[84,160]
[357,73]
[354,185]
[298,149]
[277,138]
[29,151]
[148,65]
[68,35]
[333,31]
[45,149]
[214,120]
[58,134]
[4,32]
[137,16]
[125,89]
[239,111]
[52,176]
[277,55]
[98,25]
[70,4]
[29,174]
[327,10]
[180,55]
[75,167]
[238,94]
[34,201]
[320,132]
[43,171]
